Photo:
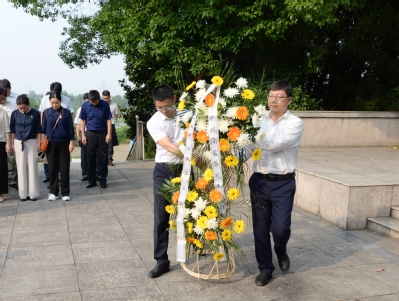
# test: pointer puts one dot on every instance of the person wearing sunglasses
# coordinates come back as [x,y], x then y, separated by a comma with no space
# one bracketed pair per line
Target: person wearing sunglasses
[166,134]
[272,185]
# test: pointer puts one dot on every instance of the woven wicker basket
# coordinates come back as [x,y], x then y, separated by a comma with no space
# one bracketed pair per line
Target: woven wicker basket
[204,266]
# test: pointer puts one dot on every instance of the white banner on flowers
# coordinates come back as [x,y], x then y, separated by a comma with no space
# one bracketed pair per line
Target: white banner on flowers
[181,237]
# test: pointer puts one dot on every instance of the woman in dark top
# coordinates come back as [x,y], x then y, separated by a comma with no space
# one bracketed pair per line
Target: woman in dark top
[25,134]
[60,146]
[5,145]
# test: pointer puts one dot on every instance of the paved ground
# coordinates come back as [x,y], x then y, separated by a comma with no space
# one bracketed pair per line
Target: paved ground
[99,246]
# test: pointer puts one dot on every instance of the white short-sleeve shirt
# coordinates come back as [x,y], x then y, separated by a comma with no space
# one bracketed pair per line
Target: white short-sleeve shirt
[65,102]
[160,126]
[114,110]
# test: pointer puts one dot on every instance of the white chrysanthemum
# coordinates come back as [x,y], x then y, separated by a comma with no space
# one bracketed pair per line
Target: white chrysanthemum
[199,94]
[200,204]
[186,212]
[261,110]
[200,84]
[195,213]
[232,112]
[177,121]
[260,136]
[242,83]
[255,120]
[201,106]
[183,96]
[230,92]
[198,230]
[187,116]
[200,125]
[243,139]
[223,125]
[222,101]
[212,223]
[208,155]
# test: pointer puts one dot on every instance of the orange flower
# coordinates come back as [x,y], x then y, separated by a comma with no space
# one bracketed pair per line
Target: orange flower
[191,240]
[224,145]
[209,100]
[215,196]
[242,113]
[187,124]
[202,137]
[185,134]
[234,133]
[201,183]
[227,222]
[210,235]
[175,197]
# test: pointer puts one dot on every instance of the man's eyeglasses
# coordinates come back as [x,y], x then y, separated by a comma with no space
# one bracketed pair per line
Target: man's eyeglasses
[166,108]
[277,98]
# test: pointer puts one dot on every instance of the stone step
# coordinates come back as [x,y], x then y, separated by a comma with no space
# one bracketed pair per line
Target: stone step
[395,212]
[386,226]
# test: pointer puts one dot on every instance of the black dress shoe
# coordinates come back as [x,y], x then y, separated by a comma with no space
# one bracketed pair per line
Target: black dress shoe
[283,262]
[159,269]
[45,180]
[104,185]
[84,178]
[91,185]
[263,279]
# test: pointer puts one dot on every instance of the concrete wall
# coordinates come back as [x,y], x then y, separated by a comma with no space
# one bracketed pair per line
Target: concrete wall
[349,128]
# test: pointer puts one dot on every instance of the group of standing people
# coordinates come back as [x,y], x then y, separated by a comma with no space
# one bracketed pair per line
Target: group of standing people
[23,128]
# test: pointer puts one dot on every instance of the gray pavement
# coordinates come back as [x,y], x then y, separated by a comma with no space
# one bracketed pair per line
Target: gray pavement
[99,246]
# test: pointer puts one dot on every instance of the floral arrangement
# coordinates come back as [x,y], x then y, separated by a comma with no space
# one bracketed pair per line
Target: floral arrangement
[213,214]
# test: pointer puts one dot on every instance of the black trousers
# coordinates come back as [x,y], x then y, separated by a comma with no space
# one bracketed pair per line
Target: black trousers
[97,148]
[161,217]
[59,157]
[83,159]
[272,203]
[3,169]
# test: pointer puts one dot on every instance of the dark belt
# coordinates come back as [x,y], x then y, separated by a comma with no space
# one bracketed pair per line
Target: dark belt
[171,166]
[275,177]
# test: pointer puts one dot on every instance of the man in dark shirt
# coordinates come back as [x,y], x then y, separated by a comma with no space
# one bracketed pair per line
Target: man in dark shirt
[96,116]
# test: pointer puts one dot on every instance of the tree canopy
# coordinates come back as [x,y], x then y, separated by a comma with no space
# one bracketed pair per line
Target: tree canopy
[344,53]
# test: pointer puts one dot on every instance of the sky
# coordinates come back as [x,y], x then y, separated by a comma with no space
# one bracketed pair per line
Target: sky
[29,57]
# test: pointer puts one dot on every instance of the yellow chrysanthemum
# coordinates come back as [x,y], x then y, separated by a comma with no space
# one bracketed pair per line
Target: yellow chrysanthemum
[170,209]
[172,225]
[180,142]
[239,226]
[190,86]
[227,235]
[189,228]
[233,194]
[192,196]
[256,154]
[182,105]
[210,235]
[192,161]
[224,145]
[218,256]
[208,174]
[201,221]
[227,222]
[176,180]
[231,161]
[198,244]
[211,212]
[248,94]
[217,80]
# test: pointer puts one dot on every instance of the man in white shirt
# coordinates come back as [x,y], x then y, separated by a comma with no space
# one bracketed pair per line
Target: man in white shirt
[166,134]
[10,105]
[83,150]
[106,95]
[272,184]
[45,104]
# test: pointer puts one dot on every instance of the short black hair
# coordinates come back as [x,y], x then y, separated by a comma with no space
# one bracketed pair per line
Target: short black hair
[5,83]
[106,93]
[94,95]
[56,87]
[55,94]
[282,85]
[161,93]
[22,100]
[3,91]
[85,96]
